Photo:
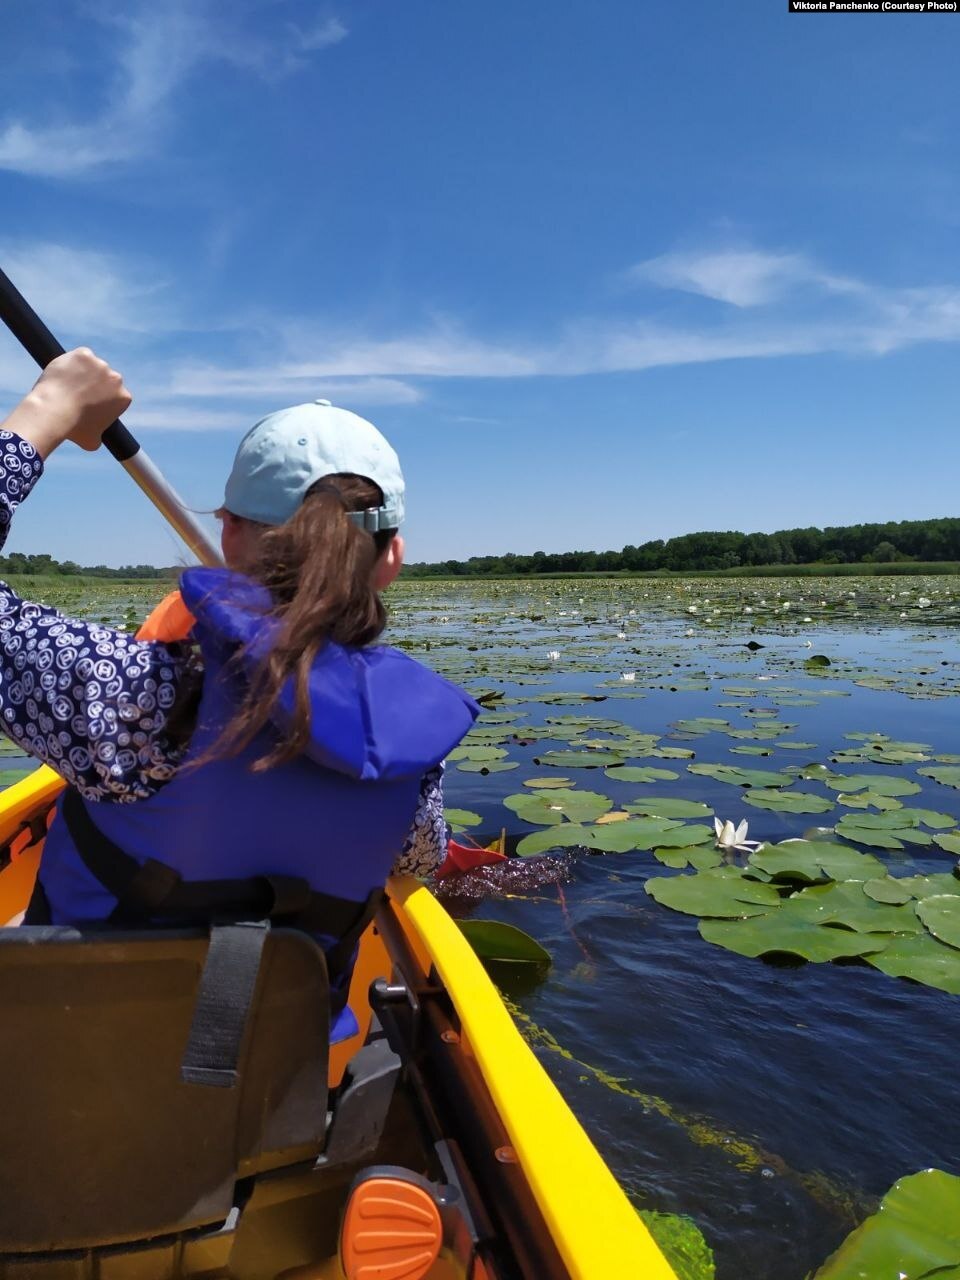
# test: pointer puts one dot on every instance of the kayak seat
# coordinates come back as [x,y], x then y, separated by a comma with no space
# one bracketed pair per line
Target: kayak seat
[149,1077]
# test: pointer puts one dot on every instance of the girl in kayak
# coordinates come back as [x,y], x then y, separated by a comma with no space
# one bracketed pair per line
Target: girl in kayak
[280,753]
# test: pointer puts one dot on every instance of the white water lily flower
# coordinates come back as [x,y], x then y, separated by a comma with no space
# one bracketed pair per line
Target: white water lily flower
[628,675]
[621,635]
[689,632]
[807,619]
[554,655]
[924,603]
[734,839]
[747,609]
[692,608]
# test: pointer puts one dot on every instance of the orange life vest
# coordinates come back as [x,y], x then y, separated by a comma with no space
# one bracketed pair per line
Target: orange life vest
[170,620]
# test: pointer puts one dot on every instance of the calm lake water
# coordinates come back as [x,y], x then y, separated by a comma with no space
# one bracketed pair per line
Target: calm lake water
[773,1103]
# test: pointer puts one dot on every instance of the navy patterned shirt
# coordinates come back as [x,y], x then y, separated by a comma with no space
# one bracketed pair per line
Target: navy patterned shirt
[92,702]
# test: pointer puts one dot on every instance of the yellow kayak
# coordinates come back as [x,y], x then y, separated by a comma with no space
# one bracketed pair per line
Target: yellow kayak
[152,1130]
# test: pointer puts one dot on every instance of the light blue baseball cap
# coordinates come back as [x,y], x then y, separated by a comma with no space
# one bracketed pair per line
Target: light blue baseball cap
[286,452]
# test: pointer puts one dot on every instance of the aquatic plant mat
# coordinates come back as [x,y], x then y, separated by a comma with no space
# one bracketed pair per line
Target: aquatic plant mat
[760,1036]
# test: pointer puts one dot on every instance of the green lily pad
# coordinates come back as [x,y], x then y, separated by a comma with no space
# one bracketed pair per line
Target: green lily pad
[641,773]
[887,890]
[476,753]
[878,783]
[950,842]
[738,777]
[686,834]
[724,891]
[566,836]
[941,914]
[883,830]
[812,860]
[699,857]
[646,834]
[580,759]
[948,775]
[931,818]
[921,957]
[547,784]
[487,766]
[915,1233]
[669,807]
[787,932]
[701,725]
[752,751]
[926,886]
[846,904]
[493,940]
[559,805]
[787,801]
[813,772]
[870,800]
[460,819]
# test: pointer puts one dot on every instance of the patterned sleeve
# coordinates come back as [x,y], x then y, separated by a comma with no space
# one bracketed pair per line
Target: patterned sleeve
[89,701]
[426,845]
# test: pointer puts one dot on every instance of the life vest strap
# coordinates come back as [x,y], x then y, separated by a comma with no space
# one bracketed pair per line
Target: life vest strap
[151,891]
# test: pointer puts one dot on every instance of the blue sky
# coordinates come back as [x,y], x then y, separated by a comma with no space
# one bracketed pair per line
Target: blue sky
[602,272]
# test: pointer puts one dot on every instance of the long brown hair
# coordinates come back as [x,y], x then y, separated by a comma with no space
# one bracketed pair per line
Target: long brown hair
[318,569]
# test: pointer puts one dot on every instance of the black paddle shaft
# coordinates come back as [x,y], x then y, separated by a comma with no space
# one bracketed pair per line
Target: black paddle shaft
[37,340]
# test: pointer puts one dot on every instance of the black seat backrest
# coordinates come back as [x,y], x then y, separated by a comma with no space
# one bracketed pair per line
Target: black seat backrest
[103,1142]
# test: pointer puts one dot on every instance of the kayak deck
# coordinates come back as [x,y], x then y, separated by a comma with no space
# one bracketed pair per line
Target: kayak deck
[469,1106]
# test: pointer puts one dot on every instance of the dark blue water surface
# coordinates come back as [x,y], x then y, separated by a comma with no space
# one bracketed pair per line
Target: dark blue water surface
[774,1103]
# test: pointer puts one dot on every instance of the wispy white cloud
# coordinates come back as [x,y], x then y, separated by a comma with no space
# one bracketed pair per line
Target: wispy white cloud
[852,317]
[321,35]
[165,417]
[785,306]
[156,47]
[85,294]
[743,277]
[183,405]
[283,380]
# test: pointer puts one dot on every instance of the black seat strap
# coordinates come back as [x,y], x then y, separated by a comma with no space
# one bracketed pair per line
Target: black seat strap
[148,890]
[224,997]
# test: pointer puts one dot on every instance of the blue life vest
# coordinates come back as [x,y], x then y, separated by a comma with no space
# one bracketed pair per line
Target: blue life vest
[336,816]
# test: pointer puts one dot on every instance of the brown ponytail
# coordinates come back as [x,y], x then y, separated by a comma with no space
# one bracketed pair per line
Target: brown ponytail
[318,568]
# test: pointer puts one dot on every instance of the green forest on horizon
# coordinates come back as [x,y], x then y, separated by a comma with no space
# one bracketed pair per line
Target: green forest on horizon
[896,545]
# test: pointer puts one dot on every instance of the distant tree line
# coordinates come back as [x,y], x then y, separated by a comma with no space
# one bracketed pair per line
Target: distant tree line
[921,540]
[44,566]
